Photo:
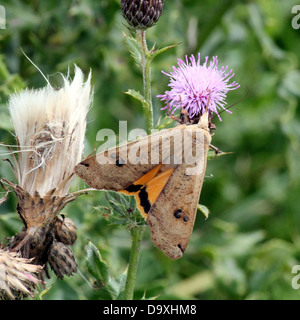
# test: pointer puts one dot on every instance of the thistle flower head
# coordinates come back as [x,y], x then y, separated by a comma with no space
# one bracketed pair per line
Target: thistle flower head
[50,127]
[196,87]
[142,14]
[17,275]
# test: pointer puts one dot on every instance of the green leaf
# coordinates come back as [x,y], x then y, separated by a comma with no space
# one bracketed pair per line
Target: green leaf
[121,211]
[121,280]
[115,202]
[133,48]
[212,155]
[113,288]
[138,96]
[42,293]
[97,267]
[155,53]
[203,209]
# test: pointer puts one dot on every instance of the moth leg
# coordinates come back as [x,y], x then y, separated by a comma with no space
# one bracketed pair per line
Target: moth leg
[174,118]
[183,117]
[216,150]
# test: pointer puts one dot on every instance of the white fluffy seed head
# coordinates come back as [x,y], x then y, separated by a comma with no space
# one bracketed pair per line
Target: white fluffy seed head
[50,128]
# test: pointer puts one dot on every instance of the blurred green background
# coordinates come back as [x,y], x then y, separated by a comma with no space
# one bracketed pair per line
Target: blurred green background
[247,247]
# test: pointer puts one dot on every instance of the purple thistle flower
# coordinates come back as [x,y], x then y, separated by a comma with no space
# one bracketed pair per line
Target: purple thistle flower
[191,84]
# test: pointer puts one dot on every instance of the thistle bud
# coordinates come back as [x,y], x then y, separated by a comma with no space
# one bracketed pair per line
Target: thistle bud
[142,14]
[65,230]
[61,259]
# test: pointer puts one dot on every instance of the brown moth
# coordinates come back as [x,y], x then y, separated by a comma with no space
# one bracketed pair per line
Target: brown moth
[164,172]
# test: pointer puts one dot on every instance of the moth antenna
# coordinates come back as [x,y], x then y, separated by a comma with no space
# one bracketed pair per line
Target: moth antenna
[36,67]
[248,90]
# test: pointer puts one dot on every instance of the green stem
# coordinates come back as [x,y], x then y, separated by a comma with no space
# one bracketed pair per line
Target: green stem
[138,231]
[136,238]
[146,69]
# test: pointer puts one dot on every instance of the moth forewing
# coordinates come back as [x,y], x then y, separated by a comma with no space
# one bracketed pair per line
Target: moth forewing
[196,145]
[172,216]
[117,173]
[138,153]
[166,187]
[171,146]
[118,167]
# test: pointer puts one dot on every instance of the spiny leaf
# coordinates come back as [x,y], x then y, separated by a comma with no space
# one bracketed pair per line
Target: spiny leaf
[97,267]
[121,280]
[122,210]
[212,155]
[155,53]
[138,96]
[133,48]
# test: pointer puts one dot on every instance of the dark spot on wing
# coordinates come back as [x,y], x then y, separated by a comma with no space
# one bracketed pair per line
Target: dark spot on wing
[120,162]
[178,213]
[186,218]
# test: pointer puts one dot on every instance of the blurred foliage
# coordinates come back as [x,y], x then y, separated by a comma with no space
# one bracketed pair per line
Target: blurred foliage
[250,242]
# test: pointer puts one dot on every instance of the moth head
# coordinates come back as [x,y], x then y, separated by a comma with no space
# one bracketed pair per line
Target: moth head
[204,121]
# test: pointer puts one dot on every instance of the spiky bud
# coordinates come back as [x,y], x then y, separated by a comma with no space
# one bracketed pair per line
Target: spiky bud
[17,275]
[142,14]
[61,259]
[65,230]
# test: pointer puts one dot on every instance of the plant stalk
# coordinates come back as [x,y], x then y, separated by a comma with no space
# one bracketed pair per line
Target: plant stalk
[146,69]
[136,238]
[138,231]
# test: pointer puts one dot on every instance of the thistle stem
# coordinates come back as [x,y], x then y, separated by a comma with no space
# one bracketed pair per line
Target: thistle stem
[138,231]
[136,238]
[146,69]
